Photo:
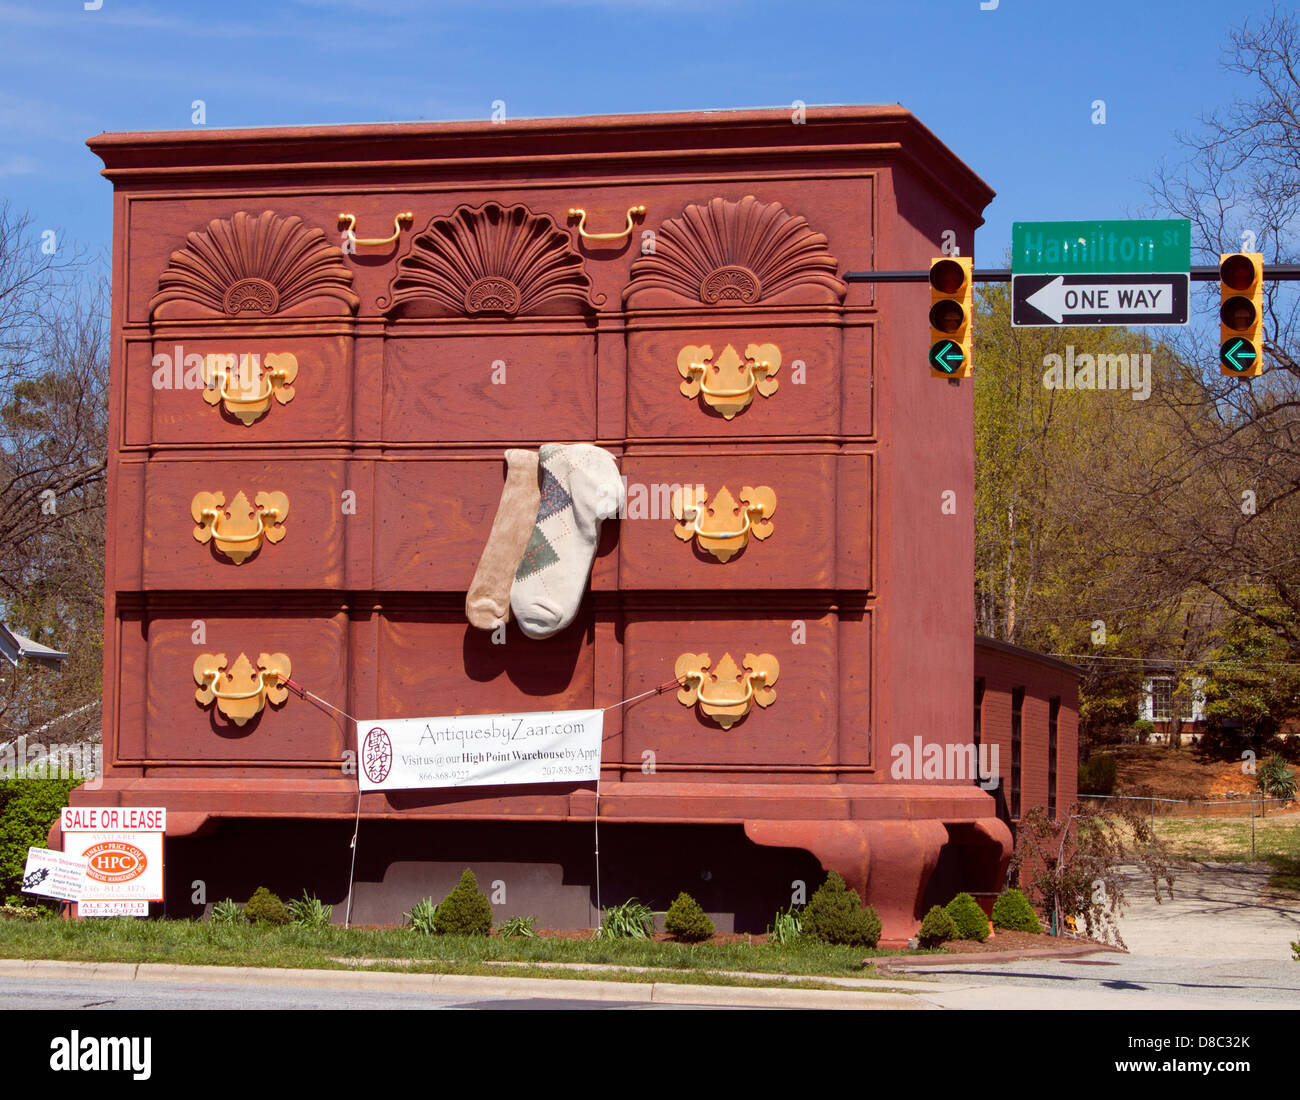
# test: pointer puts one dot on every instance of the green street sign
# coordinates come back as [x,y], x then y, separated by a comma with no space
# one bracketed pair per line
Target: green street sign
[1237,354]
[947,357]
[1063,248]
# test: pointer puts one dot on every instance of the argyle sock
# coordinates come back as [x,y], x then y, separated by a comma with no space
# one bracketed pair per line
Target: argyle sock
[580,487]
[487,603]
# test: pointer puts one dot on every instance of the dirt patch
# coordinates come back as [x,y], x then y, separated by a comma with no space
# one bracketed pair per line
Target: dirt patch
[1176,773]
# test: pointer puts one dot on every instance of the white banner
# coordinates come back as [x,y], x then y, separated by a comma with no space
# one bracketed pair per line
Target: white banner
[54,874]
[476,750]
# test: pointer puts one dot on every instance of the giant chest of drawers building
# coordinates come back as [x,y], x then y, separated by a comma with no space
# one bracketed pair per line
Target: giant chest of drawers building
[324,341]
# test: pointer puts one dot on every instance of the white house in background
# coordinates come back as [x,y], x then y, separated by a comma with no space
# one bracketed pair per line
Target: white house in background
[1158,706]
[15,648]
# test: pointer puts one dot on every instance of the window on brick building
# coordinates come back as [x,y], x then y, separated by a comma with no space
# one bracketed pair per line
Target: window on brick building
[1053,718]
[1017,715]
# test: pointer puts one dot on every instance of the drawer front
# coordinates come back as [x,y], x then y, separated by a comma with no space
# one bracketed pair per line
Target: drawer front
[805,400]
[309,553]
[414,663]
[488,386]
[819,716]
[179,729]
[818,534]
[164,390]
[840,210]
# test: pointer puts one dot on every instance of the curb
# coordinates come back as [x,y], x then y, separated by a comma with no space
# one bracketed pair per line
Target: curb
[466,985]
[967,958]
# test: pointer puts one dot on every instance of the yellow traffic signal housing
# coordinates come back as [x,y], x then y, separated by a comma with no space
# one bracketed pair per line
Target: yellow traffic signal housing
[951,299]
[1241,314]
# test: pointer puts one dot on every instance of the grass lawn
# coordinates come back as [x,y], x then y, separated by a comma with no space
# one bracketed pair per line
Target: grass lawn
[125,939]
[1227,840]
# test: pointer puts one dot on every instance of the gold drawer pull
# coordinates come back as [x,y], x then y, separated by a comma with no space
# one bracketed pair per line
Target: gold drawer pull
[689,506]
[579,213]
[348,223]
[739,378]
[254,687]
[700,369]
[739,689]
[241,537]
[275,381]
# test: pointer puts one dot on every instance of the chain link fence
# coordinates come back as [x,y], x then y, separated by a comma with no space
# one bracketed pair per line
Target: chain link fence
[1218,829]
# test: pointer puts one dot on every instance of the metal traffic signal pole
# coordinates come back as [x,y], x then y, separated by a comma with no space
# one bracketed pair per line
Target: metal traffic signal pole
[1208,274]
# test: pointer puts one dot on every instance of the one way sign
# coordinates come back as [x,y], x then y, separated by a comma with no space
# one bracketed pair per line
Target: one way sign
[1045,301]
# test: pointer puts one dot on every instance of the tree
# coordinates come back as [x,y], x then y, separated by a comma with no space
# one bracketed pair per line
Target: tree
[53,443]
[1239,184]
[1071,867]
[1250,689]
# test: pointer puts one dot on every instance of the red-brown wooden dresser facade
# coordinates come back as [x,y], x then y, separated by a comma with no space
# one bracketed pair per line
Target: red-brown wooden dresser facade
[490,323]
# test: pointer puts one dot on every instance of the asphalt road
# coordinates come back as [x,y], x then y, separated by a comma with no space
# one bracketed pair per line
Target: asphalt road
[43,993]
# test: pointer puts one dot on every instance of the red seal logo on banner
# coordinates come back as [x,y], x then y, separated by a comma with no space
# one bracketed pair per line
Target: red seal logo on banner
[115,861]
[377,755]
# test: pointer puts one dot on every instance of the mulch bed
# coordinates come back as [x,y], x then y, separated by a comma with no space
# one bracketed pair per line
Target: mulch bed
[1006,940]
[658,937]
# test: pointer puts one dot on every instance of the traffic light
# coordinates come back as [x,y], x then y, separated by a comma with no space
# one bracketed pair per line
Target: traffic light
[950,317]
[1241,314]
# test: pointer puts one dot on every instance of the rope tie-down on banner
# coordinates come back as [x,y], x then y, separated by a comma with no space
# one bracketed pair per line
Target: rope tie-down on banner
[304,694]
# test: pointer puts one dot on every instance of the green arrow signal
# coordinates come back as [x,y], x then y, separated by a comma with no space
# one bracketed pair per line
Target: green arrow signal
[1237,354]
[947,357]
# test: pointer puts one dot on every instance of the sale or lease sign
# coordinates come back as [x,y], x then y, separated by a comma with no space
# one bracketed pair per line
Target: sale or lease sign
[54,874]
[123,849]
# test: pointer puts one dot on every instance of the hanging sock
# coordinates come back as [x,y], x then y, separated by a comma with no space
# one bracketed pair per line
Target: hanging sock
[487,603]
[581,487]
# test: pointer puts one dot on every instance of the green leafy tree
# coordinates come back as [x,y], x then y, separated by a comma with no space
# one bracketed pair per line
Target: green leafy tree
[1250,689]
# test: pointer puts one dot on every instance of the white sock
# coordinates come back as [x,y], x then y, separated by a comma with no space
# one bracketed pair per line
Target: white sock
[581,486]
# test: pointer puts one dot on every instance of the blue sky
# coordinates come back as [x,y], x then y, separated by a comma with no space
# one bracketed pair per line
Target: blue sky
[1010,90]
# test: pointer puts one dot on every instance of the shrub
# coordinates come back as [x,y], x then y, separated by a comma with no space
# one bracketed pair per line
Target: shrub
[423,916]
[29,805]
[265,908]
[686,921]
[465,911]
[969,918]
[310,912]
[226,911]
[20,912]
[631,920]
[835,915]
[936,928]
[1013,912]
[520,926]
[1097,774]
[1143,728]
[1276,778]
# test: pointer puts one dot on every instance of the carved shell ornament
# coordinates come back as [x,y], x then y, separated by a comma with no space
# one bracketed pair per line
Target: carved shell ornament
[491,261]
[254,266]
[742,253]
